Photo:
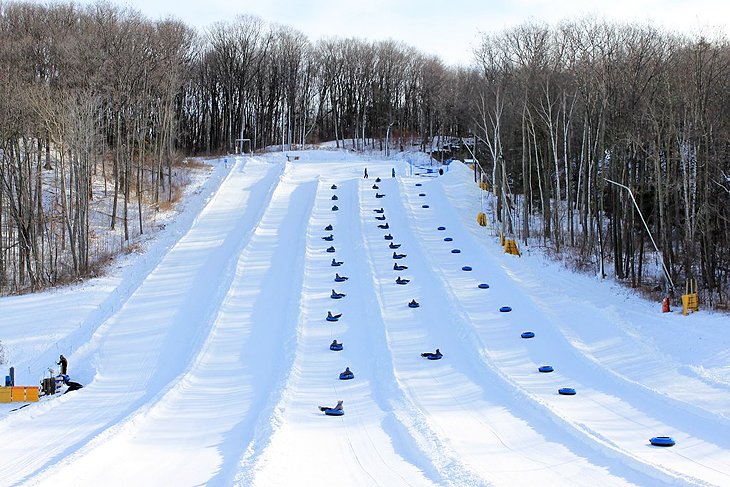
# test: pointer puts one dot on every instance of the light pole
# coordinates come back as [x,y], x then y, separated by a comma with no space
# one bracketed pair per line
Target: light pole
[666,272]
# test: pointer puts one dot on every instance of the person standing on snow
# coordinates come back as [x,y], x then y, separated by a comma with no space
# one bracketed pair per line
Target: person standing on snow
[63,363]
[392,172]
[366,173]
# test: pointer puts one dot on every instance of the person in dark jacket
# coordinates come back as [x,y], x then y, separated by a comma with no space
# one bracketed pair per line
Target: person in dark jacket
[63,363]
[366,173]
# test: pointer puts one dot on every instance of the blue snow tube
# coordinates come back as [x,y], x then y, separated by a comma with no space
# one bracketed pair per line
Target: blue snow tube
[328,238]
[336,348]
[425,206]
[662,441]
[432,356]
[455,251]
[413,304]
[336,263]
[346,375]
[337,295]
[566,391]
[448,239]
[332,318]
[466,268]
[334,412]
[528,334]
[419,184]
[340,279]
[505,309]
[330,249]
[421,194]
[441,228]
[546,368]
[483,286]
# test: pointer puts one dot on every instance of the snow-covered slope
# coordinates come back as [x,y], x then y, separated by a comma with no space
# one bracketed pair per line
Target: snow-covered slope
[205,359]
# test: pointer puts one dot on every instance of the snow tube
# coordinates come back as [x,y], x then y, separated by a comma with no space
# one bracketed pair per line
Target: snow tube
[328,228]
[483,286]
[441,228]
[336,348]
[381,218]
[346,375]
[384,226]
[413,304]
[419,184]
[334,412]
[334,186]
[381,210]
[377,180]
[528,334]
[335,208]
[334,197]
[397,267]
[505,309]
[662,441]
[448,239]
[455,251]
[421,194]
[566,391]
[336,263]
[375,186]
[328,238]
[432,356]
[393,245]
[378,195]
[466,268]
[336,295]
[425,206]
[398,280]
[330,249]
[340,278]
[388,237]
[398,256]
[332,318]
[546,368]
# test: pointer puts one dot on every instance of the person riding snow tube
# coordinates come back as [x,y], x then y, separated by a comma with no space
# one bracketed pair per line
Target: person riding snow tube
[347,374]
[380,218]
[336,263]
[328,228]
[331,317]
[375,186]
[384,226]
[377,180]
[334,186]
[335,346]
[433,355]
[334,197]
[381,210]
[330,249]
[339,278]
[328,238]
[378,195]
[398,256]
[336,295]
[413,304]
[335,208]
[335,411]
[388,237]
[393,245]
[398,280]
[397,267]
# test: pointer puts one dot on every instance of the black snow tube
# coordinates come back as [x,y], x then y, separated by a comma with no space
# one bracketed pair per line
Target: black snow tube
[334,186]
[380,218]
[328,238]
[335,208]
[397,267]
[441,228]
[419,184]
[393,245]
[341,278]
[466,268]
[421,194]
[398,256]
[483,286]
[334,197]
[388,237]
[455,251]
[384,226]
[375,186]
[328,228]
[336,263]
[336,295]
[336,348]
[378,195]
[425,206]
[448,239]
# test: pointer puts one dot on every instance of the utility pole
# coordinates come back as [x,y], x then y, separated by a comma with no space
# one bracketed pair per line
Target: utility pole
[666,272]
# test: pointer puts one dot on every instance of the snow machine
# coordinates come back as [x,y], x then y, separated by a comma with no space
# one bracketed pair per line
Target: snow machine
[393,245]
[336,263]
[398,256]
[331,317]
[336,295]
[339,278]
[413,304]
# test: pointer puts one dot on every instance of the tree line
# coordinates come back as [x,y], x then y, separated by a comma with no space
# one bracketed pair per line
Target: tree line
[102,94]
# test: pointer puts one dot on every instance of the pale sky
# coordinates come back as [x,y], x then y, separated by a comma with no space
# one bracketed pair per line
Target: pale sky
[446,28]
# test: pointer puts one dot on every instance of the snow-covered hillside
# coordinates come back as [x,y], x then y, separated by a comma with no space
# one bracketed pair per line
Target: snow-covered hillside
[205,358]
